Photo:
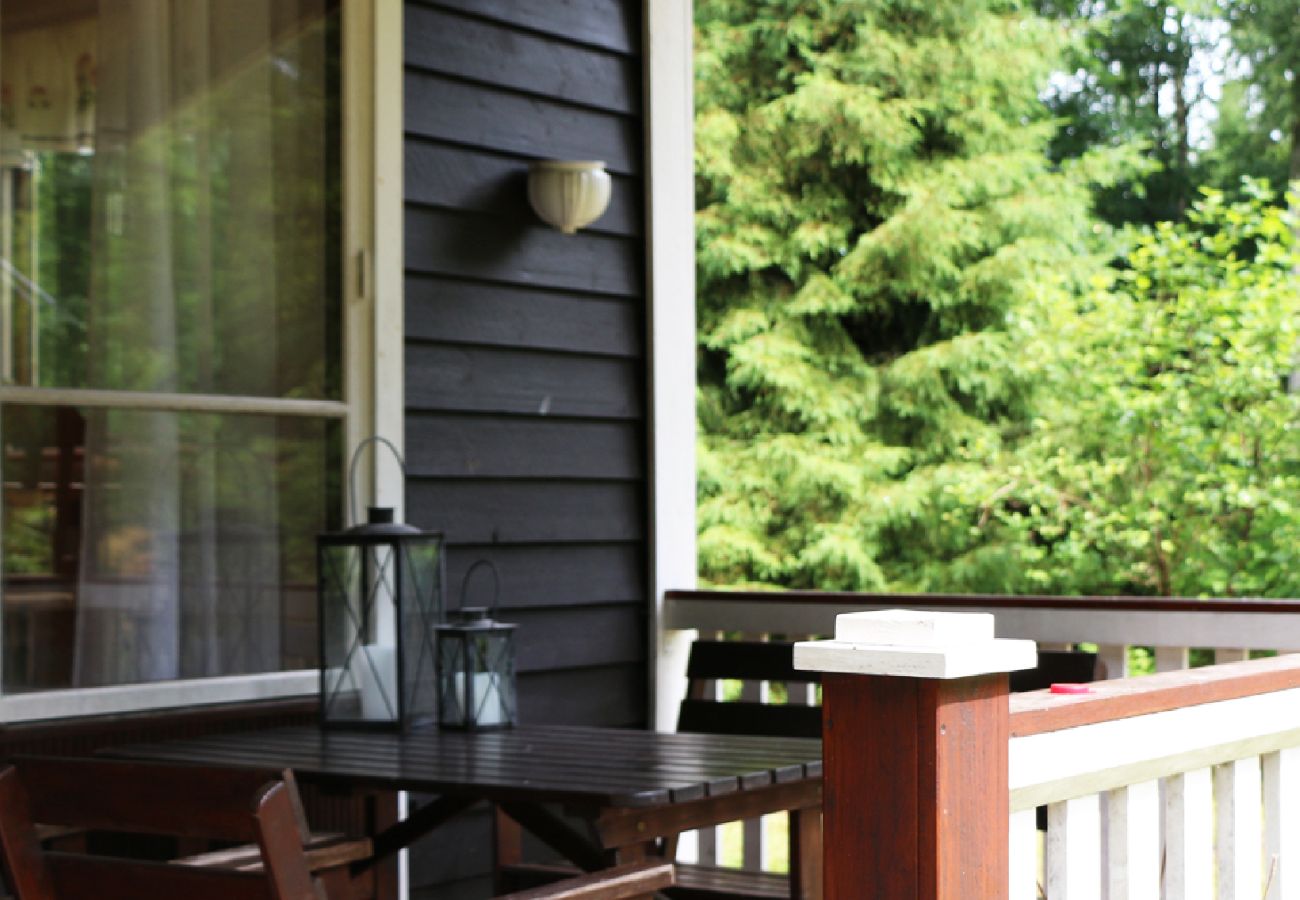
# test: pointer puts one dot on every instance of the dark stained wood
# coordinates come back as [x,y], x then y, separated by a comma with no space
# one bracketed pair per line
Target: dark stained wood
[606,767]
[135,797]
[27,876]
[455,378]
[520,512]
[993,601]
[711,882]
[922,814]
[557,834]
[628,882]
[806,866]
[1038,712]
[562,638]
[741,717]
[611,696]
[104,878]
[450,310]
[622,828]
[525,375]
[746,660]
[452,44]
[1057,667]
[444,175]
[502,120]
[612,24]
[143,798]
[869,782]
[518,251]
[475,446]
[556,575]
[964,800]
[418,823]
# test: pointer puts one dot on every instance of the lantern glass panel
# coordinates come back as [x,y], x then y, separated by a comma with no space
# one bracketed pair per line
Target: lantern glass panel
[420,586]
[477,676]
[358,612]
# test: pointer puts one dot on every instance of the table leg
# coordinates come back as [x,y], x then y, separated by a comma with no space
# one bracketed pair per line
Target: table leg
[508,838]
[381,815]
[805,854]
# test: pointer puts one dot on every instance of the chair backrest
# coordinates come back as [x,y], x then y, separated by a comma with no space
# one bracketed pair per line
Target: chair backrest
[746,661]
[773,661]
[153,799]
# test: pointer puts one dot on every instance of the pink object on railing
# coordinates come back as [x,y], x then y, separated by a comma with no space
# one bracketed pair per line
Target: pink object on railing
[1070,689]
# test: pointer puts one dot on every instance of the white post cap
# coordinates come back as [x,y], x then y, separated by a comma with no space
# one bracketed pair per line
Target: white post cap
[915,643]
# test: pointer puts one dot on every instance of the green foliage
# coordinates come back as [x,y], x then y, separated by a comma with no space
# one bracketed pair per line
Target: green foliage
[1167,460]
[876,212]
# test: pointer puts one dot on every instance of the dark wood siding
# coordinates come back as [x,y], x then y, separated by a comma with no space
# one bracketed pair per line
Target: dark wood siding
[525,370]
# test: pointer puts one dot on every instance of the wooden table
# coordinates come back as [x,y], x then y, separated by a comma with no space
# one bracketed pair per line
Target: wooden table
[638,789]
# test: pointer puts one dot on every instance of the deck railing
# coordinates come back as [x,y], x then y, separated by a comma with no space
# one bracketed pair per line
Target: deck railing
[1182,785]
[1173,627]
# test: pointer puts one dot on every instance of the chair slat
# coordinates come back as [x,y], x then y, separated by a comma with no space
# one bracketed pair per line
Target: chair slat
[747,661]
[113,795]
[110,878]
[771,719]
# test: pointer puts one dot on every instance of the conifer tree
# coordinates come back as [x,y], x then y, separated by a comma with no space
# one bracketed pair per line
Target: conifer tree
[876,215]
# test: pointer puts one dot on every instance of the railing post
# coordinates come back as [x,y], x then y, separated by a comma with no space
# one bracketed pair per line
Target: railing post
[915,731]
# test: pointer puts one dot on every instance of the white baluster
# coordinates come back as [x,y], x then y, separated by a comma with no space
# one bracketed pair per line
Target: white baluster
[1282,824]
[1024,855]
[1238,831]
[1074,849]
[1115,658]
[1133,842]
[1172,659]
[1189,836]
[1230,654]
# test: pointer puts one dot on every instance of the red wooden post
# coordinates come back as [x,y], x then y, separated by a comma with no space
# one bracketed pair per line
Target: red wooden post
[915,726]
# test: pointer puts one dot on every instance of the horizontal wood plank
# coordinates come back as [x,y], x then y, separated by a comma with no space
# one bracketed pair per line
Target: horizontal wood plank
[497,119]
[614,25]
[523,253]
[1041,711]
[454,177]
[457,378]
[528,512]
[562,639]
[450,43]
[466,446]
[455,311]
[551,575]
[612,697]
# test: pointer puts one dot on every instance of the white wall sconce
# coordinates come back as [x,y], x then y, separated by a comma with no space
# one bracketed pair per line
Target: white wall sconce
[568,194]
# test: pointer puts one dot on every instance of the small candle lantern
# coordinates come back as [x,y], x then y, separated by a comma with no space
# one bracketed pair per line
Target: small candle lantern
[380,598]
[476,668]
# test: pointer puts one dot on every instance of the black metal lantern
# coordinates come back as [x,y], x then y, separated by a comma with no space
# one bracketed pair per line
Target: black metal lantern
[476,668]
[380,589]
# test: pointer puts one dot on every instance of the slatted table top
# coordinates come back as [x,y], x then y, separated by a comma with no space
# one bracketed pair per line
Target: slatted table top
[604,766]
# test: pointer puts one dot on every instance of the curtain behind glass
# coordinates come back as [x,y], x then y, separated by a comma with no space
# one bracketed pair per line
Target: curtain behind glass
[210,253]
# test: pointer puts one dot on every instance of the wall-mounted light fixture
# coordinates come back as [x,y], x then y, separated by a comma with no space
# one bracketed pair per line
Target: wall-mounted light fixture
[568,195]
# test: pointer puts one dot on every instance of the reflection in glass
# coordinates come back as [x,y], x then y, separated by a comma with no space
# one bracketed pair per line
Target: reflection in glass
[146,546]
[169,196]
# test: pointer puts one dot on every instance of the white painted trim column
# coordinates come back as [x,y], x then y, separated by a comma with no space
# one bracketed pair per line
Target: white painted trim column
[670,311]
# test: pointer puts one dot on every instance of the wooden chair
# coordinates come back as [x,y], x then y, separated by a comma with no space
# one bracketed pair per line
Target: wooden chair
[150,799]
[276,858]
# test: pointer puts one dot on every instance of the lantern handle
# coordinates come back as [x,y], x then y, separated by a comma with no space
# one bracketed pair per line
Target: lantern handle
[352,470]
[496,584]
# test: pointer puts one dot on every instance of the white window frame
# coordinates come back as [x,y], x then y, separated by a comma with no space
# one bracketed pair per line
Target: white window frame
[372,304]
